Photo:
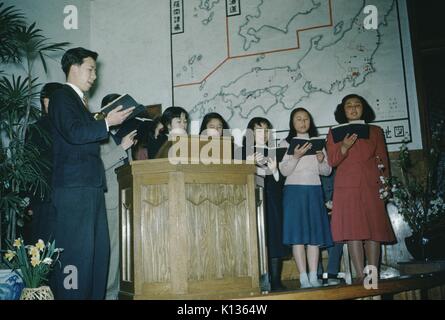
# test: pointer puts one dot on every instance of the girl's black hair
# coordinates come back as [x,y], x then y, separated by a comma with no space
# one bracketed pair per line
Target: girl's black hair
[313,131]
[340,114]
[170,113]
[256,121]
[47,91]
[108,98]
[210,116]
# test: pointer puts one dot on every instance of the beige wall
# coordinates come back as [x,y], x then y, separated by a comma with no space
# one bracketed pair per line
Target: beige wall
[49,17]
[133,41]
[132,38]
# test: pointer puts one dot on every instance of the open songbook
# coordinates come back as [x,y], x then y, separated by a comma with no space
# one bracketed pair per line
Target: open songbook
[317,145]
[358,127]
[126,101]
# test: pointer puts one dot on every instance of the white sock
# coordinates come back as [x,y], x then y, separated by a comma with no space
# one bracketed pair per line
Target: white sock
[304,281]
[313,279]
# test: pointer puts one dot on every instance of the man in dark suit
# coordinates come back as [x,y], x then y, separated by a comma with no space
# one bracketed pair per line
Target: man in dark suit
[78,181]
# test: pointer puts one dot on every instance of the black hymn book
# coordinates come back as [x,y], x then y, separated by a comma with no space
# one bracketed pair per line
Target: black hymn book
[126,101]
[361,129]
[317,145]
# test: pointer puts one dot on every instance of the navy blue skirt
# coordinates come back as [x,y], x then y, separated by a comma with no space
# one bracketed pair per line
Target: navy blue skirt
[305,218]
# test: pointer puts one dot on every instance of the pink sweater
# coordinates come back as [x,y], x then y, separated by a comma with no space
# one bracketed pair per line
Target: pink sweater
[303,171]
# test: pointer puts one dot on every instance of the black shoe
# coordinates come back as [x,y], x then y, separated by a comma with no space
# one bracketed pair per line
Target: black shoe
[278,287]
[276,265]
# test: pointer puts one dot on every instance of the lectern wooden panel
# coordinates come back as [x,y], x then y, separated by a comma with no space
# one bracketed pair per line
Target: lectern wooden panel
[187,231]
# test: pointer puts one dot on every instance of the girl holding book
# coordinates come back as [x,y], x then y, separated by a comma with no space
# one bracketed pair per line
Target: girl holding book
[213,125]
[259,136]
[359,216]
[305,217]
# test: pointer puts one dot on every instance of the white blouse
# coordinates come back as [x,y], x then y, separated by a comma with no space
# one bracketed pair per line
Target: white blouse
[303,171]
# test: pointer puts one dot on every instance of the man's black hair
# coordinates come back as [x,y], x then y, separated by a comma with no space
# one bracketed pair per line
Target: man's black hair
[75,56]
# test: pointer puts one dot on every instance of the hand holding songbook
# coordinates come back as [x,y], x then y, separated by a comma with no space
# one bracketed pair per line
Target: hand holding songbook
[359,128]
[348,142]
[271,152]
[120,109]
[129,140]
[117,115]
[300,151]
[306,146]
[272,164]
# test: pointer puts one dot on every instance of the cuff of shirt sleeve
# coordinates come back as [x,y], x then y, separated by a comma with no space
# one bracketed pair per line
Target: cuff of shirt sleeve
[276,175]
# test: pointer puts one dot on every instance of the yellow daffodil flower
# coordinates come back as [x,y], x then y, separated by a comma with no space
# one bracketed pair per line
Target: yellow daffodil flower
[18,242]
[9,255]
[40,245]
[35,260]
[33,251]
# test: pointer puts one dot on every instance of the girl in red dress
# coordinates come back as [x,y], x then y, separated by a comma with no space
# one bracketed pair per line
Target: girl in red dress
[359,216]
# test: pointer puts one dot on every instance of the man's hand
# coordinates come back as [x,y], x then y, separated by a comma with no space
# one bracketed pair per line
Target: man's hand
[116,116]
[128,140]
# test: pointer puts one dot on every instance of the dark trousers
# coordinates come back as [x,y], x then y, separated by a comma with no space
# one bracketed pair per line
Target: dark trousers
[334,258]
[82,231]
[42,224]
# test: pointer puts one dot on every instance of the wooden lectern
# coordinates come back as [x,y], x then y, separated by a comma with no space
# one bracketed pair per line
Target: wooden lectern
[187,231]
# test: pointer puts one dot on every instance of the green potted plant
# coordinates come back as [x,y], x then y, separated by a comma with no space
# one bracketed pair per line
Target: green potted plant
[33,263]
[420,201]
[20,165]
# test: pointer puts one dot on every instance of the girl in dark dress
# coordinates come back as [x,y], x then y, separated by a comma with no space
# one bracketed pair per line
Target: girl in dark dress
[268,176]
[39,136]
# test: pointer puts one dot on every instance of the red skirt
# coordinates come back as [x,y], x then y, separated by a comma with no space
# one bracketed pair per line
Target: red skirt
[359,214]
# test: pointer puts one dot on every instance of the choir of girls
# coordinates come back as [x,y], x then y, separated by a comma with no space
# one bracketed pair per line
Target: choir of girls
[296,215]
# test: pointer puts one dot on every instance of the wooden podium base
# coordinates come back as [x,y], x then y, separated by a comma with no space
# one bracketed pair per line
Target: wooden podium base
[187,231]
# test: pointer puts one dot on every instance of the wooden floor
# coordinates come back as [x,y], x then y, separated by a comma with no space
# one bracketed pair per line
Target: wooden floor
[418,287]
[430,286]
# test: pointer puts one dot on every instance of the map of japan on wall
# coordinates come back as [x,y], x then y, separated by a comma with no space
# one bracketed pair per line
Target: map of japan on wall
[248,58]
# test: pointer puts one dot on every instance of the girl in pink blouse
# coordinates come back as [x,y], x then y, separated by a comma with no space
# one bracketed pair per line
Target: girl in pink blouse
[305,220]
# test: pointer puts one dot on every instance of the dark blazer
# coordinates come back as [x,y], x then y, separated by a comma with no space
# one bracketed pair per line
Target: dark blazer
[76,142]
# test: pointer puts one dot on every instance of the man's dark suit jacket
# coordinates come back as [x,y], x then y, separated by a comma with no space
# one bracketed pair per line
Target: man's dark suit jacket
[76,142]
[78,196]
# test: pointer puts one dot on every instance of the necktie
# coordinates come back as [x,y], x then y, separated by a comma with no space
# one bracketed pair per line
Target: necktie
[85,101]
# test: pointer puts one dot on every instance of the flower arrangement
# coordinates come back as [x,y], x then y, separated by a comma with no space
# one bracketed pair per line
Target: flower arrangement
[420,201]
[34,261]
[385,183]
